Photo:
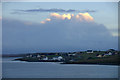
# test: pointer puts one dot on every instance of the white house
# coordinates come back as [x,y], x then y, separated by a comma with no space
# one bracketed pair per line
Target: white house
[72,54]
[38,55]
[46,58]
[58,58]
[99,56]
[55,58]
[110,53]
[30,55]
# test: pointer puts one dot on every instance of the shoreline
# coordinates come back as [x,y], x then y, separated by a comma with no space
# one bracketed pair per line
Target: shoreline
[65,63]
[94,63]
[87,63]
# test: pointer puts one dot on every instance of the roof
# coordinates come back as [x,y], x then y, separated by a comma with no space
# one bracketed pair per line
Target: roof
[89,50]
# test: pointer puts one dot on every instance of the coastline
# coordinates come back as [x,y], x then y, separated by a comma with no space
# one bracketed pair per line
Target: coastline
[62,62]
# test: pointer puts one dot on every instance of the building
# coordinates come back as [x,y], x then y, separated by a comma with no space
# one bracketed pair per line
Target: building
[111,50]
[38,55]
[71,54]
[29,55]
[45,58]
[89,51]
[59,58]
[99,56]
[110,53]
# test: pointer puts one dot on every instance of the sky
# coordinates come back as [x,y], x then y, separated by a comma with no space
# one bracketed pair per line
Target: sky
[59,26]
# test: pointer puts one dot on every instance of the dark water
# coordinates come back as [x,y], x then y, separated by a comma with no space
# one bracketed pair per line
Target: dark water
[18,69]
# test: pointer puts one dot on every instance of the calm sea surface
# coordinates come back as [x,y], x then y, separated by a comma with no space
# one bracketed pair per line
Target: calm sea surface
[20,69]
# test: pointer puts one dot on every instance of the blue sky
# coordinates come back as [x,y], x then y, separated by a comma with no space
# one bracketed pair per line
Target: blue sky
[103,13]
[104,10]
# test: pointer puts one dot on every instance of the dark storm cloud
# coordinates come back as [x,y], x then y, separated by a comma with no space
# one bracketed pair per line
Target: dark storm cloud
[50,10]
[55,36]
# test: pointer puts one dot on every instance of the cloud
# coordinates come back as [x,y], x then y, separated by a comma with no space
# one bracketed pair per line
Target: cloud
[51,10]
[58,33]
[115,32]
[81,17]
[64,16]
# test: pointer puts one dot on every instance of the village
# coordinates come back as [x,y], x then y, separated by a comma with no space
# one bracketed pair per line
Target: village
[74,57]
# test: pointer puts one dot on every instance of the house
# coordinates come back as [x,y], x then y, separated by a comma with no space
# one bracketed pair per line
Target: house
[38,55]
[110,53]
[103,55]
[30,55]
[89,51]
[72,54]
[55,58]
[59,58]
[111,50]
[99,56]
[45,58]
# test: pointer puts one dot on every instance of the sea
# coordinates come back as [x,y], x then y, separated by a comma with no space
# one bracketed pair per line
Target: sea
[22,69]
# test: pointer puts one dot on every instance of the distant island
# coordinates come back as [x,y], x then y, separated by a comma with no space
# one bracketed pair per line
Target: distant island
[109,57]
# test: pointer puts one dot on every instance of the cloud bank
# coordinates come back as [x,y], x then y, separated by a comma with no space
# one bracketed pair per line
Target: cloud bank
[58,33]
[51,10]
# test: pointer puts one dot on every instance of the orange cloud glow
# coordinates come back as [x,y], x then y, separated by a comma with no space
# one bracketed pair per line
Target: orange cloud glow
[43,22]
[79,17]
[48,19]
[64,16]
[86,16]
